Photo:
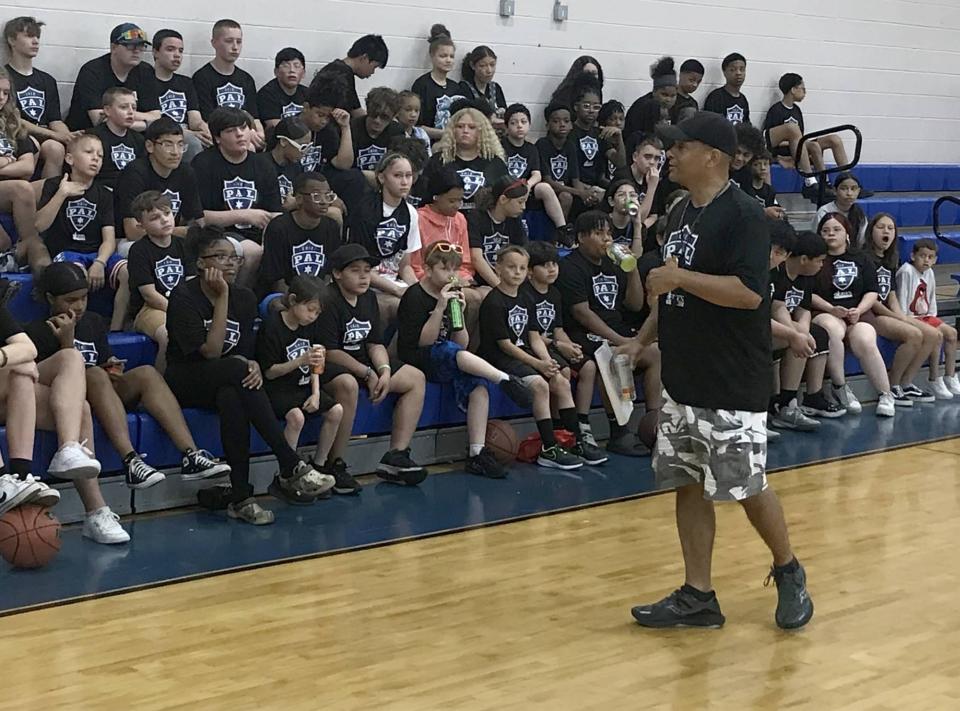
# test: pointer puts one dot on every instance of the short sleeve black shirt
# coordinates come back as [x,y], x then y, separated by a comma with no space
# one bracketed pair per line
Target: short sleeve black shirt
[492,236]
[251,184]
[778,115]
[602,286]
[475,174]
[338,66]
[796,293]
[289,250]
[163,267]
[36,96]
[845,278]
[591,154]
[215,90]
[275,103]
[522,161]
[505,317]
[367,149]
[436,100]
[78,226]
[416,307]
[89,338]
[559,164]
[8,325]
[348,328]
[277,343]
[96,76]
[190,313]
[547,308]
[326,144]
[176,97]
[736,109]
[118,152]
[180,187]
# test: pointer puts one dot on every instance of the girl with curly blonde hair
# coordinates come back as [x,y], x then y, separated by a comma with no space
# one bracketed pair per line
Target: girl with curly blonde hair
[17,164]
[471,146]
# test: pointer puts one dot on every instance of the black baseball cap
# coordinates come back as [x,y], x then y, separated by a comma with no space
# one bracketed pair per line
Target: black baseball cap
[129,35]
[349,253]
[706,127]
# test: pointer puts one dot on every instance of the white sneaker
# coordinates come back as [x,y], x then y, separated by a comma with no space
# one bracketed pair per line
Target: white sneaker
[74,461]
[15,491]
[952,383]
[103,526]
[45,496]
[940,389]
[847,400]
[885,405]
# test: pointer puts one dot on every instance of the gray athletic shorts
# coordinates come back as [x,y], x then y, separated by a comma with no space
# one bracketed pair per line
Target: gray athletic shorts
[726,450]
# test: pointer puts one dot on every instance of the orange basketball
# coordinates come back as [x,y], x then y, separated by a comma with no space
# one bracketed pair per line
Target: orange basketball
[647,429]
[29,536]
[502,440]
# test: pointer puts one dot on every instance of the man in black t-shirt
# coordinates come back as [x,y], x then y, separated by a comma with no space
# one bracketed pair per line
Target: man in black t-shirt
[714,329]
[366,55]
[283,96]
[123,66]
[727,100]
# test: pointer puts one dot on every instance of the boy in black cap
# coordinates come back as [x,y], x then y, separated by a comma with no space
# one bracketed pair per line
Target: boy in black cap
[713,294]
[220,83]
[176,94]
[688,81]
[283,96]
[727,100]
[123,66]
[368,54]
[350,330]
[35,93]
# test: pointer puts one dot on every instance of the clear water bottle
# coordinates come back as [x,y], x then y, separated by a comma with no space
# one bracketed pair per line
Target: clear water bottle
[621,256]
[621,366]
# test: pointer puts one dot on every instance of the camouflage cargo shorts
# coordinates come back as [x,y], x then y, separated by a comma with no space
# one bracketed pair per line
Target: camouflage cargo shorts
[726,450]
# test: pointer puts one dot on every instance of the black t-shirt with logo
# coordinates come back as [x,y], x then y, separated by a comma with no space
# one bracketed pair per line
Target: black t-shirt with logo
[180,187]
[623,235]
[547,308]
[779,115]
[277,343]
[118,152]
[79,222]
[190,314]
[416,308]
[350,328]
[163,267]
[716,357]
[765,195]
[275,103]
[95,77]
[286,174]
[36,96]
[367,150]
[236,91]
[845,278]
[492,236]
[14,149]
[885,277]
[796,293]
[474,174]
[325,145]
[89,338]
[251,184]
[522,161]
[736,109]
[591,154]
[290,250]
[176,97]
[338,66]
[602,286]
[436,100]
[505,317]
[558,164]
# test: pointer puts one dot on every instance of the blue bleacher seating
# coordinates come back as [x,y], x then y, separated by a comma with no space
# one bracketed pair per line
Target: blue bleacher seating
[896,178]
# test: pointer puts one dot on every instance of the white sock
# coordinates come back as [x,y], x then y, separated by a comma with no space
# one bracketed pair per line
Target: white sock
[809,181]
[475,449]
[503,376]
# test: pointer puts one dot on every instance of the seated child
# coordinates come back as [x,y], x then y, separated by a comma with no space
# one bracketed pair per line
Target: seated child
[408,116]
[626,228]
[510,341]
[644,172]
[17,165]
[759,186]
[75,217]
[917,292]
[749,144]
[558,157]
[289,358]
[597,148]
[413,151]
[286,144]
[374,132]
[112,392]
[350,330]
[548,309]
[495,224]
[427,340]
[121,144]
[847,191]
[158,262]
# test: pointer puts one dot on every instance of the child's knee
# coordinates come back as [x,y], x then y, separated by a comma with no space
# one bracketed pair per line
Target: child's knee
[539,387]
[334,414]
[295,419]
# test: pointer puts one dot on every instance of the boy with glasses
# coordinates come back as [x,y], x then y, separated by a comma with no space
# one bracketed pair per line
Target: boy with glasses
[283,96]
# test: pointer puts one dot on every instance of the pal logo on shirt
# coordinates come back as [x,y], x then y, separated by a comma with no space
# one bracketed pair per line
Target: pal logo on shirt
[681,244]
[516,166]
[884,282]
[308,258]
[590,148]
[33,102]
[389,234]
[558,166]
[285,185]
[232,337]
[81,213]
[546,314]
[88,350]
[239,194]
[493,244]
[793,298]
[174,105]
[473,180]
[122,155]
[169,272]
[230,96]
[517,318]
[291,110]
[443,110]
[605,290]
[735,114]
[297,349]
[175,202]
[312,159]
[844,273]
[355,334]
[6,147]
[367,158]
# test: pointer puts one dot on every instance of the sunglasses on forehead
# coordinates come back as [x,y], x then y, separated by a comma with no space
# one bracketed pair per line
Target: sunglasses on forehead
[446,247]
[132,36]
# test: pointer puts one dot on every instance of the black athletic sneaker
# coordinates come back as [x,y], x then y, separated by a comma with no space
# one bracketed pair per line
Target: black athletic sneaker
[817,405]
[812,193]
[556,457]
[485,464]
[589,453]
[397,467]
[565,236]
[200,464]
[345,484]
[680,609]
[285,488]
[140,475]
[517,391]
[215,498]
[794,604]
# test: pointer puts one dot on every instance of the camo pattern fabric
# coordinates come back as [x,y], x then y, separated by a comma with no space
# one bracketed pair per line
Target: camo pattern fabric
[724,449]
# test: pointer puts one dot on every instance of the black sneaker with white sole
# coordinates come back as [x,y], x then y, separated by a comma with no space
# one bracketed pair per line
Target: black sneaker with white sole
[817,405]
[680,609]
[345,484]
[140,475]
[556,457]
[200,464]
[485,464]
[590,453]
[794,604]
[918,394]
[397,467]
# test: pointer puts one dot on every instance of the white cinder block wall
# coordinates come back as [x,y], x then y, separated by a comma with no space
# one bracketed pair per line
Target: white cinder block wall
[892,67]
